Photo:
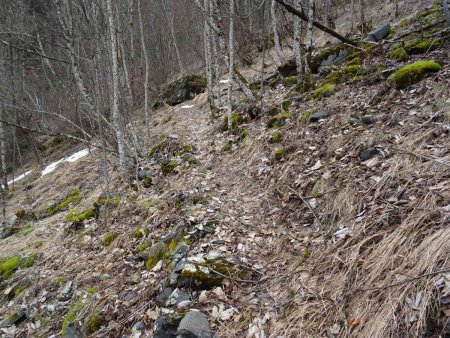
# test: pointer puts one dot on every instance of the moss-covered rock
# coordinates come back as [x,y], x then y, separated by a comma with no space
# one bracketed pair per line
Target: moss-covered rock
[10,265]
[290,81]
[413,73]
[156,253]
[79,217]
[72,198]
[185,88]
[236,120]
[279,120]
[71,316]
[351,69]
[141,233]
[93,323]
[279,154]
[332,55]
[157,148]
[323,91]
[355,61]
[422,45]
[399,54]
[168,167]
[108,238]
[276,137]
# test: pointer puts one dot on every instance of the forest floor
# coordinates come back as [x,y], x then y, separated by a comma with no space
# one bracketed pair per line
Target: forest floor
[333,244]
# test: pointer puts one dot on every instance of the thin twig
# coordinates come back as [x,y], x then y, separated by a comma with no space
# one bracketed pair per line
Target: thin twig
[434,273]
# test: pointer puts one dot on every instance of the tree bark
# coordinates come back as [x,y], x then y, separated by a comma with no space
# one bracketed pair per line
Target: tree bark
[276,37]
[146,65]
[231,67]
[446,8]
[302,16]
[298,45]
[116,119]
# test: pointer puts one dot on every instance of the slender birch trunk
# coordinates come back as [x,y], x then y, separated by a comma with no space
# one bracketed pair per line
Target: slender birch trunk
[276,37]
[2,152]
[217,28]
[169,19]
[147,67]
[231,66]
[309,44]
[208,56]
[115,92]
[361,15]
[297,45]
[352,15]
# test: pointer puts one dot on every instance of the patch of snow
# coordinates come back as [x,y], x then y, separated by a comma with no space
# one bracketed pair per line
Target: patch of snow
[187,106]
[18,178]
[73,158]
[224,81]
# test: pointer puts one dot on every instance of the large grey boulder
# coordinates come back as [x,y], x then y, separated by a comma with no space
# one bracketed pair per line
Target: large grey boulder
[184,89]
[379,33]
[194,325]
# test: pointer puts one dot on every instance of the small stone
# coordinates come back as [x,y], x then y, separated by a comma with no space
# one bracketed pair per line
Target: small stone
[14,318]
[321,114]
[218,242]
[368,153]
[177,297]
[67,291]
[353,121]
[195,324]
[368,119]
[166,324]
[128,296]
[172,136]
[73,331]
[161,299]
[139,326]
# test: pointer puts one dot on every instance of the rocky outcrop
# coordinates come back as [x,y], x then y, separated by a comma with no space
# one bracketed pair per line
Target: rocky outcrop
[184,89]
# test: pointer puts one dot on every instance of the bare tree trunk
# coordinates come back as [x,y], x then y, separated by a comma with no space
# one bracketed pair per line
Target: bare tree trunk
[230,67]
[361,16]
[147,66]
[217,28]
[309,44]
[169,18]
[276,37]
[208,56]
[298,45]
[115,92]
[217,68]
[446,8]
[352,15]
[2,152]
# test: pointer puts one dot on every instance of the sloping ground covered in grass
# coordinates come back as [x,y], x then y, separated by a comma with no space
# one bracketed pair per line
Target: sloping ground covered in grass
[319,215]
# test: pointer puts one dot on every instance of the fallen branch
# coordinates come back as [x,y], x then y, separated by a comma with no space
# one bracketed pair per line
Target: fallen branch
[380,288]
[315,23]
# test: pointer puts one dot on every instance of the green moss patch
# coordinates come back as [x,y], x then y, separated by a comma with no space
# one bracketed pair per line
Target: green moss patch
[279,154]
[226,147]
[79,217]
[72,198]
[290,81]
[108,238]
[279,120]
[319,93]
[157,252]
[413,73]
[422,45]
[168,167]
[93,323]
[10,265]
[157,148]
[236,120]
[276,137]
[71,316]
[399,54]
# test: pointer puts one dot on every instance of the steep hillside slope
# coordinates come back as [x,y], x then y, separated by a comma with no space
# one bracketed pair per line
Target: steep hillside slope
[324,214]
